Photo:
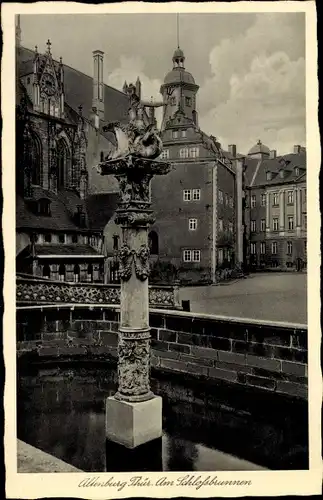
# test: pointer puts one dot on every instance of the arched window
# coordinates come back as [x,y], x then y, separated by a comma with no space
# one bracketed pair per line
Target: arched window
[61,272]
[63,164]
[46,271]
[153,243]
[35,158]
[76,273]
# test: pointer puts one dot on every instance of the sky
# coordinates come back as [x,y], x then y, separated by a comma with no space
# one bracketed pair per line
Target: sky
[250,67]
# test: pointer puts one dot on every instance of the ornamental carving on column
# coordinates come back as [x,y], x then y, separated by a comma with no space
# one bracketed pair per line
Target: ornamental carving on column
[125,256]
[142,262]
[133,370]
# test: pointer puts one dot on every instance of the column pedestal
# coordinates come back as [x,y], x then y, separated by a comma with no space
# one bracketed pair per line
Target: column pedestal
[133,424]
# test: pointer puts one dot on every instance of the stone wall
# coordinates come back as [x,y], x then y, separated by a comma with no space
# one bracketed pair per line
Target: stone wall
[249,353]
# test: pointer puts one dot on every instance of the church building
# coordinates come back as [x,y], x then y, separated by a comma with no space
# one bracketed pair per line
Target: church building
[62,204]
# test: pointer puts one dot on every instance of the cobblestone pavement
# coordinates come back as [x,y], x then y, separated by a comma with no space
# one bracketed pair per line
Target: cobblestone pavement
[275,297]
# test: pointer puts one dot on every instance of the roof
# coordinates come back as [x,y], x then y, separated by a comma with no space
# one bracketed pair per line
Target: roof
[100,208]
[288,163]
[70,250]
[259,148]
[178,53]
[78,89]
[178,75]
[63,206]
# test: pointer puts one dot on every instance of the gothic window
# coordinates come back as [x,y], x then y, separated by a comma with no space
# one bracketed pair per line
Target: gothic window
[34,156]
[153,243]
[63,164]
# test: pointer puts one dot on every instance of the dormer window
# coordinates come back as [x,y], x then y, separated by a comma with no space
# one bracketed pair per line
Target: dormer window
[268,175]
[281,173]
[297,171]
[188,101]
[44,207]
[175,134]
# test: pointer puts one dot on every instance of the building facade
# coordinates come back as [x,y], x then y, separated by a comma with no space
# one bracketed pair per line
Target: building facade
[214,210]
[60,212]
[195,204]
[276,212]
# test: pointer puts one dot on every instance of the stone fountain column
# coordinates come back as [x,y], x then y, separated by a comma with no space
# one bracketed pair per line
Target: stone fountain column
[134,413]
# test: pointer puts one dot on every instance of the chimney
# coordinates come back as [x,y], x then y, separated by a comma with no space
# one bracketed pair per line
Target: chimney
[272,154]
[233,150]
[138,88]
[297,149]
[98,85]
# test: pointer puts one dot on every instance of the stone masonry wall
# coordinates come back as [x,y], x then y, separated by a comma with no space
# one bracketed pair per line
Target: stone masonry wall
[269,356]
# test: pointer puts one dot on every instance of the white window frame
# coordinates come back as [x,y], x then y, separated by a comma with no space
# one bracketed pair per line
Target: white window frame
[187,194]
[220,224]
[253,248]
[231,202]
[175,134]
[192,224]
[275,200]
[194,152]
[274,248]
[183,153]
[290,222]
[196,255]
[262,248]
[253,201]
[196,194]
[275,223]
[290,197]
[184,133]
[164,154]
[289,248]
[253,226]
[187,255]
[263,225]
[263,199]
[220,195]
[230,227]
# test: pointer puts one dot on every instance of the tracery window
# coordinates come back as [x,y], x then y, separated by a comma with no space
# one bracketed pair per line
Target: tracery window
[63,164]
[34,157]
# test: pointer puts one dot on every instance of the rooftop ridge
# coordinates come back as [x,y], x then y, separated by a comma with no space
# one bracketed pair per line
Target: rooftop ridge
[74,69]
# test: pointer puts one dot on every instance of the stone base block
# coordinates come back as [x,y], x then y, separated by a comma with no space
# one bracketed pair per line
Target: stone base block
[133,424]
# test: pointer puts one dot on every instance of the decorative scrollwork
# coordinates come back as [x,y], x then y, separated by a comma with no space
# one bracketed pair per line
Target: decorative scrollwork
[133,369]
[125,258]
[142,262]
[45,292]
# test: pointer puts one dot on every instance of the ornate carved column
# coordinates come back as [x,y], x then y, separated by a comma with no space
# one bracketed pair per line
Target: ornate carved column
[134,216]
[134,166]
